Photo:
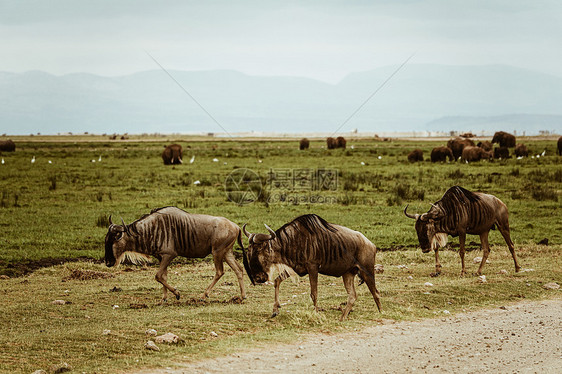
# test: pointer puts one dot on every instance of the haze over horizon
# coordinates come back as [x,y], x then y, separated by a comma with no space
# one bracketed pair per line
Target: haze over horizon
[328,42]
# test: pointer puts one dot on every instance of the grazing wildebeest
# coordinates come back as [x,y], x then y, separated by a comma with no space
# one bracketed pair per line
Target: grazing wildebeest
[415,156]
[169,232]
[501,152]
[560,146]
[304,144]
[7,146]
[331,143]
[340,142]
[457,145]
[521,150]
[485,145]
[504,139]
[310,245]
[461,212]
[440,154]
[471,154]
[172,154]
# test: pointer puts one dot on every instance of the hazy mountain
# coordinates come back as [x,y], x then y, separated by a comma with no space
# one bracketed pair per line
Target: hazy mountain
[419,97]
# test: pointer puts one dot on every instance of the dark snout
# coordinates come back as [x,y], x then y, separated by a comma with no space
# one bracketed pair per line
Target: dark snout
[261,278]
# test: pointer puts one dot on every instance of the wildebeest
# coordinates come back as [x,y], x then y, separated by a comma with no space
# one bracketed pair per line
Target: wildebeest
[440,154]
[331,143]
[471,154]
[521,150]
[304,144]
[460,212]
[169,232]
[560,146]
[310,245]
[457,145]
[504,139]
[485,145]
[7,146]
[501,152]
[415,156]
[172,154]
[340,142]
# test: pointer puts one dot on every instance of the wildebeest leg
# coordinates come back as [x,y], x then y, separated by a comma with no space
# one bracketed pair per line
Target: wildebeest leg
[164,289]
[437,264]
[370,280]
[161,275]
[351,295]
[462,239]
[238,270]
[313,278]
[485,250]
[277,304]
[504,229]
[219,271]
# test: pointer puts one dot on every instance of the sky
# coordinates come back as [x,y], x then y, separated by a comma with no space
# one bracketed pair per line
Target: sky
[324,40]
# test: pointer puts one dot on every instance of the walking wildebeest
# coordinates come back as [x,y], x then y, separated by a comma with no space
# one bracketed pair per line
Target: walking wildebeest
[7,145]
[415,156]
[501,152]
[504,139]
[440,154]
[457,145]
[461,212]
[331,143]
[304,144]
[471,154]
[485,145]
[310,245]
[169,232]
[172,154]
[560,146]
[521,150]
[340,142]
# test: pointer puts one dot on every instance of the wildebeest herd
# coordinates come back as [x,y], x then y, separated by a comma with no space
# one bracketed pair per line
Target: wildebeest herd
[307,245]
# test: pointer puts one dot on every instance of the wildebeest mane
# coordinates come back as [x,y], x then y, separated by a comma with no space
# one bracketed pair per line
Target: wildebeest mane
[133,226]
[454,196]
[310,223]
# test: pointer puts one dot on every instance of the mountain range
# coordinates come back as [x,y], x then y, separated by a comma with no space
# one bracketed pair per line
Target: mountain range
[419,97]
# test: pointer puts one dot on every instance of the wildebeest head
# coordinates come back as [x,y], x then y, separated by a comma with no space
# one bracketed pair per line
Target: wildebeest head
[258,260]
[425,228]
[116,242]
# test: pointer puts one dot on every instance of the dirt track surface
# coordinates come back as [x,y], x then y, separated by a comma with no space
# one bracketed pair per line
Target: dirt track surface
[519,338]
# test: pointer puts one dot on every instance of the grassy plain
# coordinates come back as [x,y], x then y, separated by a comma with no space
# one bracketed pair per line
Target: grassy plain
[57,210]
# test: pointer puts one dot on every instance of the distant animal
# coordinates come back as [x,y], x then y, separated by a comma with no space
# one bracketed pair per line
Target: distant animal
[169,232]
[172,154]
[310,245]
[521,150]
[560,146]
[457,145]
[331,143]
[485,145]
[471,154]
[441,154]
[460,212]
[304,144]
[504,139]
[467,135]
[415,156]
[501,152]
[7,146]
[340,142]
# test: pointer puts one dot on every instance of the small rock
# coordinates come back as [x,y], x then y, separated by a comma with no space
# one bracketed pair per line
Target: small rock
[482,279]
[446,312]
[502,271]
[402,266]
[526,270]
[379,269]
[106,332]
[213,334]
[551,286]
[410,277]
[167,338]
[151,332]
[115,306]
[62,368]
[428,284]
[151,346]
[60,302]
[40,371]
[478,260]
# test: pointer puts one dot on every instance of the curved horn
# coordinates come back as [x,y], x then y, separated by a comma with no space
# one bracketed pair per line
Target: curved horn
[271,232]
[110,221]
[413,216]
[245,231]
[125,226]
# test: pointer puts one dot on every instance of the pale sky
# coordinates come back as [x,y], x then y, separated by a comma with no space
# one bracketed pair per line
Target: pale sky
[324,40]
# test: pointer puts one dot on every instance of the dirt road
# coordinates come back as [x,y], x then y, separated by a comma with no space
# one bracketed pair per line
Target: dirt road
[519,338]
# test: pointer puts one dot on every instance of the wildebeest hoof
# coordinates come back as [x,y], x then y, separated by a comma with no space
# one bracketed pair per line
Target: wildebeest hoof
[178,296]
[436,274]
[274,314]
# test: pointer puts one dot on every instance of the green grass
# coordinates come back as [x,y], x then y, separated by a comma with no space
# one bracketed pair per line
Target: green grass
[60,211]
